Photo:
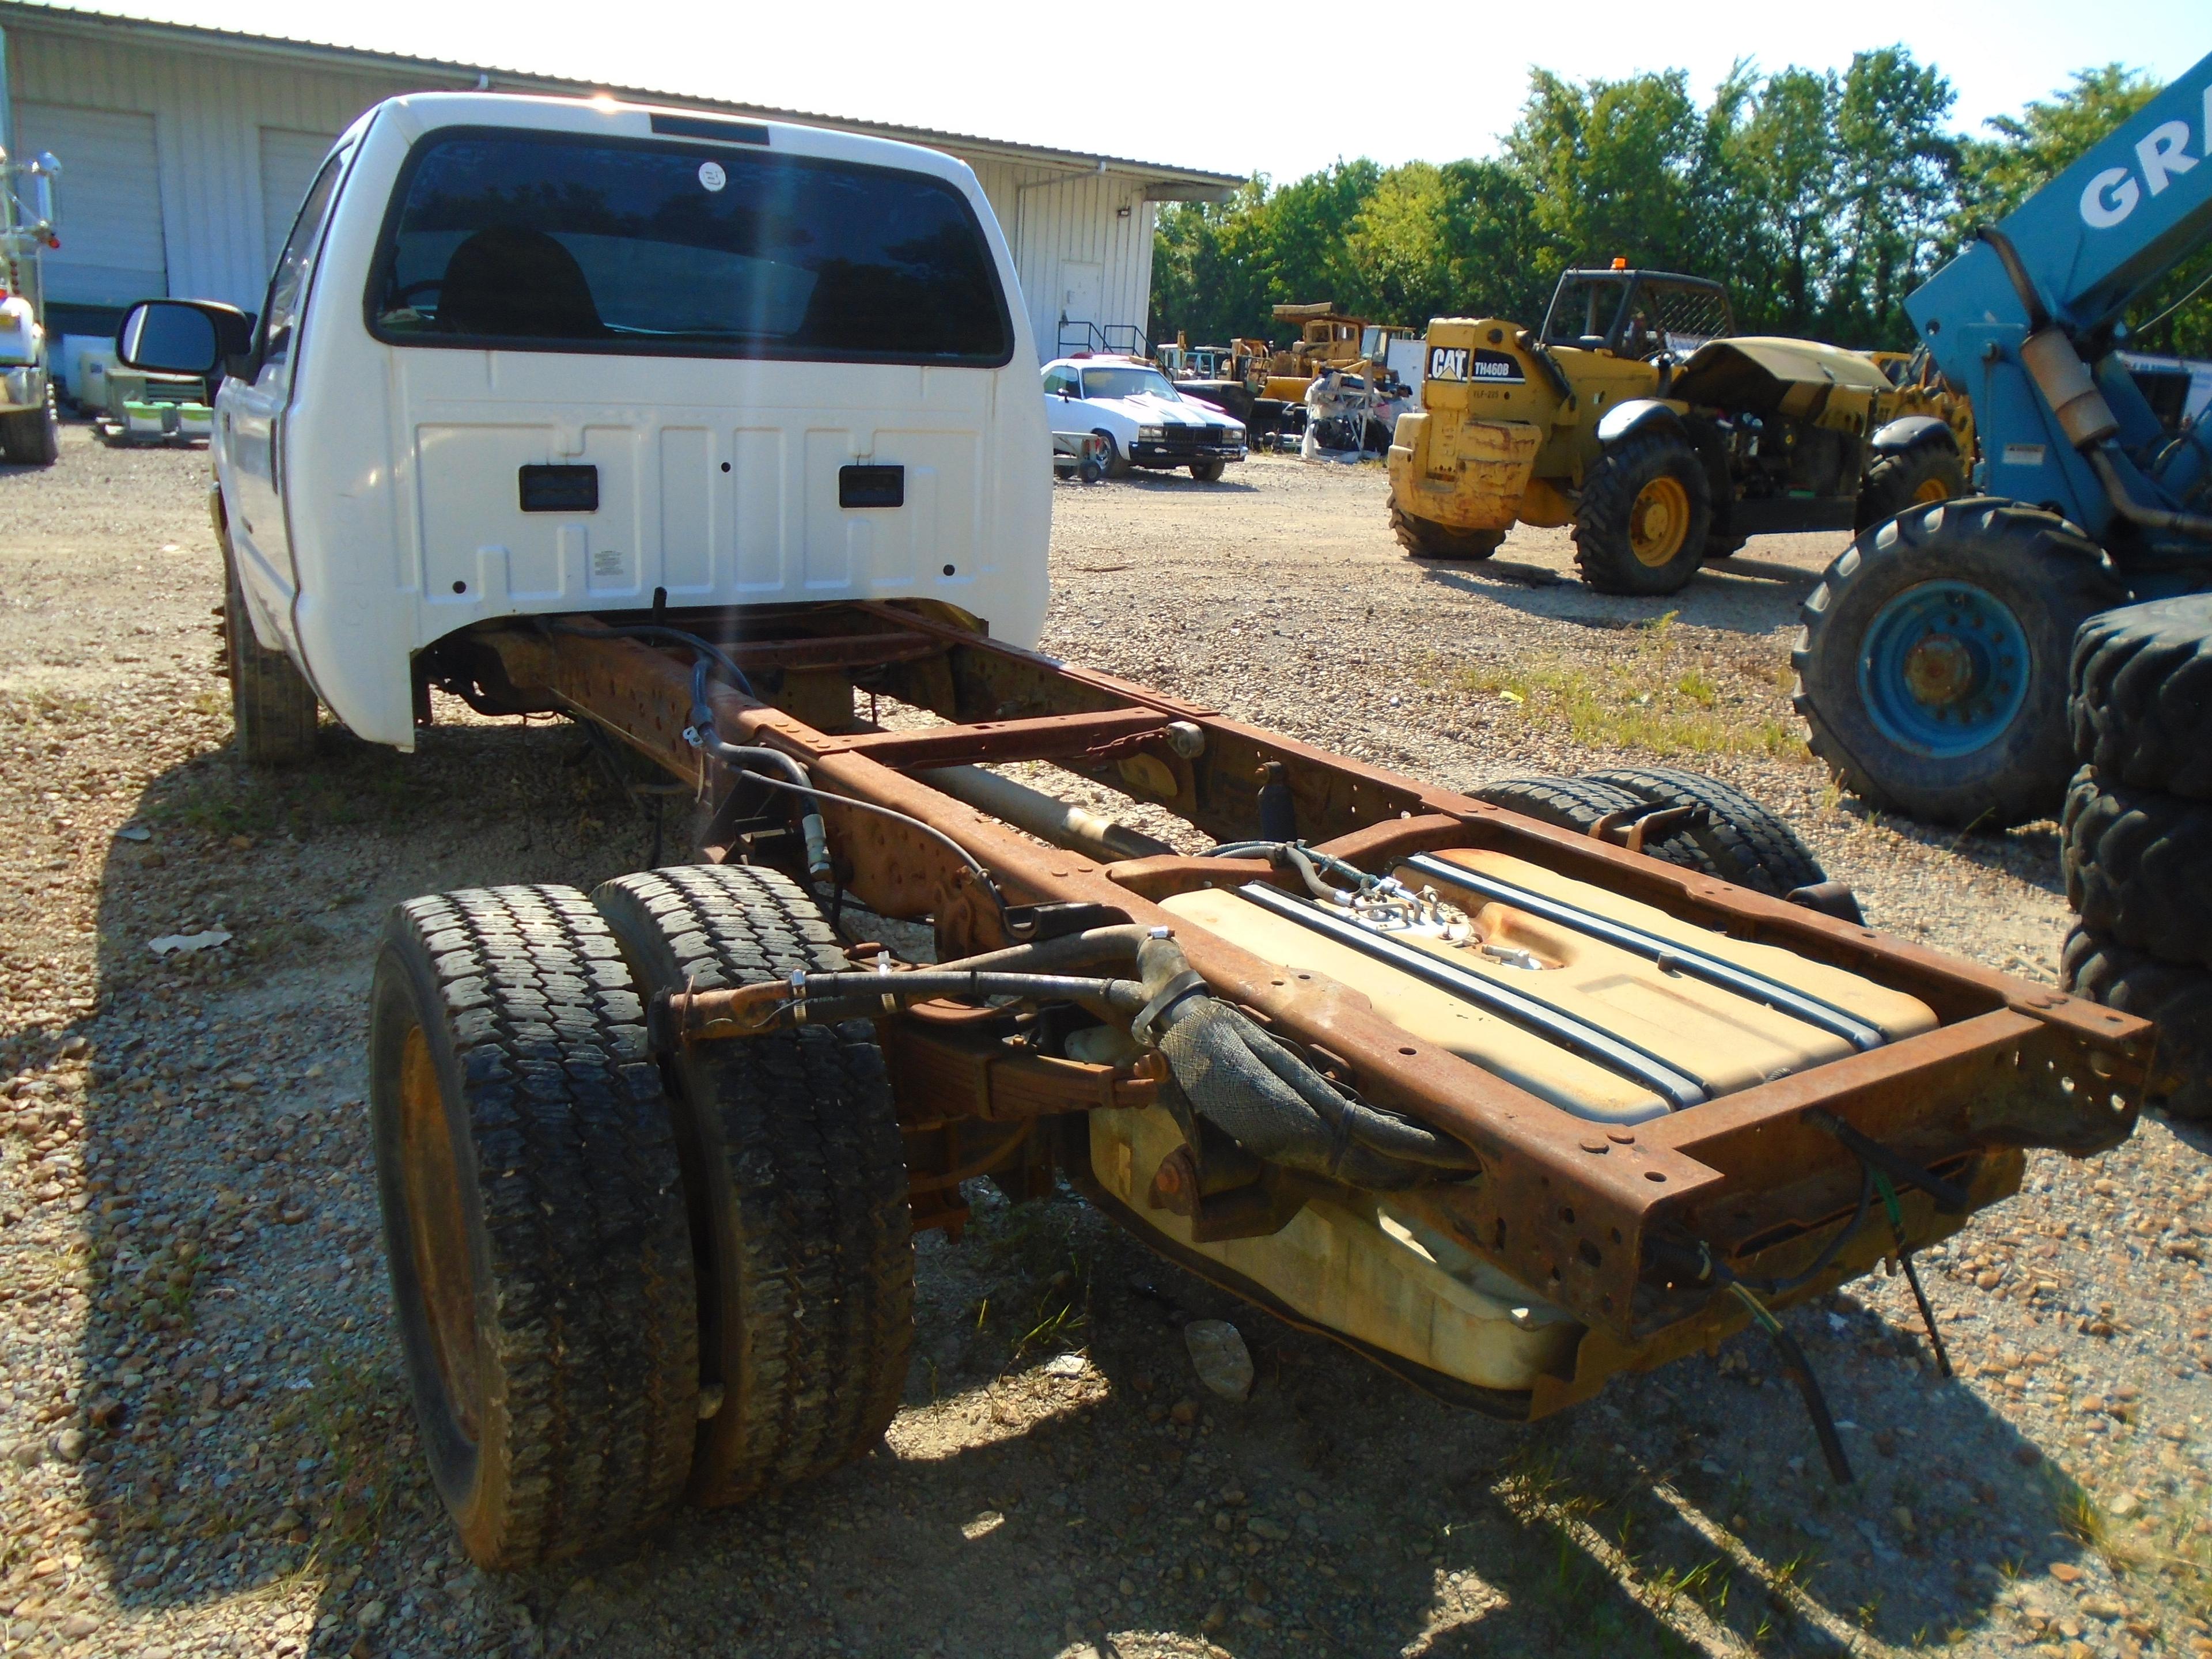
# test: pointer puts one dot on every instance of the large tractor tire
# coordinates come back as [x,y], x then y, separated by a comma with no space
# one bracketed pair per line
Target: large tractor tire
[1424,538]
[1932,669]
[796,1169]
[2177,1000]
[273,710]
[2141,703]
[1581,803]
[1925,471]
[32,437]
[2138,867]
[1746,843]
[534,1222]
[1645,515]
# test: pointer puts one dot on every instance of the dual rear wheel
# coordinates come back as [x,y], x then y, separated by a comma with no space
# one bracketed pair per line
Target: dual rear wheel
[622,1281]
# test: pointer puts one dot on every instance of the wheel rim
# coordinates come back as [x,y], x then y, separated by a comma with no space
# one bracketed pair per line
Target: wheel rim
[1659,521]
[1931,490]
[437,1241]
[1944,669]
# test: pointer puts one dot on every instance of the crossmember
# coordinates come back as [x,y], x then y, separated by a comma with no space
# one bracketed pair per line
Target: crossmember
[1576,1209]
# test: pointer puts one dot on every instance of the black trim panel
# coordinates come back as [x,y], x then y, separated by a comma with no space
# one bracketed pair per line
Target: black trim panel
[710,127]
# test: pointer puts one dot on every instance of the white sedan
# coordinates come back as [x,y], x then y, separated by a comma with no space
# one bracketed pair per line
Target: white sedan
[1137,410]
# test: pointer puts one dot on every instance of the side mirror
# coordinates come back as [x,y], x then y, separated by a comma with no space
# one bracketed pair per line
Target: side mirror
[182,336]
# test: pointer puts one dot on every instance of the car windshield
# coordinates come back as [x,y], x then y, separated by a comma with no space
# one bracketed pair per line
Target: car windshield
[553,242]
[1128,383]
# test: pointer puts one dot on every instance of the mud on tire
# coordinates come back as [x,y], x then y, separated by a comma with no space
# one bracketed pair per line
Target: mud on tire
[1909,477]
[2178,1000]
[534,1222]
[2138,867]
[1998,557]
[796,1172]
[2141,707]
[273,709]
[1610,525]
[1424,538]
[32,437]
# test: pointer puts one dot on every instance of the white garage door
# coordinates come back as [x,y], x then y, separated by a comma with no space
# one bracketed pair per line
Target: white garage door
[288,162]
[109,200]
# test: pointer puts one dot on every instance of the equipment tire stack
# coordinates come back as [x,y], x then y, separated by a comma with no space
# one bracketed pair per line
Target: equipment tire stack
[2136,840]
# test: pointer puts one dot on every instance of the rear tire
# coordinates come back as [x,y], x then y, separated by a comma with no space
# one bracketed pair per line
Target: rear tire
[1578,803]
[2142,704]
[1424,538]
[533,1222]
[2138,867]
[273,712]
[1746,843]
[796,1170]
[1932,669]
[2178,1000]
[1925,471]
[1645,515]
[32,437]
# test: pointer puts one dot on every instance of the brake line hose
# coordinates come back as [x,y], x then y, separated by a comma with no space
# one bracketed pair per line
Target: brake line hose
[747,760]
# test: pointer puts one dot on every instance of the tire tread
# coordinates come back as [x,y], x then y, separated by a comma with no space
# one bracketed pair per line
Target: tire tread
[818,1297]
[581,1193]
[2178,1000]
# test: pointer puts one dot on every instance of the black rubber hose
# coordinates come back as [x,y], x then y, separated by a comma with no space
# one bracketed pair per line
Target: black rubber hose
[1254,1089]
[1800,1371]
[1082,950]
[2017,272]
[2195,526]
[825,998]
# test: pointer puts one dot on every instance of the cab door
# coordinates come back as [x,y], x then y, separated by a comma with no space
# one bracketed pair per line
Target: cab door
[250,417]
[1060,386]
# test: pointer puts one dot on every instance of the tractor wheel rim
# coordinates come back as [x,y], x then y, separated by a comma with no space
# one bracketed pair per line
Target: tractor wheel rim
[1944,669]
[1659,522]
[437,1241]
[1931,490]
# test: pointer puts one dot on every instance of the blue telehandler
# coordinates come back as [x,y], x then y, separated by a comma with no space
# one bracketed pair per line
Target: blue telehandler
[1933,666]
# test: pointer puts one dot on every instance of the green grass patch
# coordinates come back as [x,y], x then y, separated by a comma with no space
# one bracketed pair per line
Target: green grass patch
[1663,698]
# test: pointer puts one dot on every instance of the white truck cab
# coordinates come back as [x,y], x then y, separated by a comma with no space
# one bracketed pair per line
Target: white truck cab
[531,355]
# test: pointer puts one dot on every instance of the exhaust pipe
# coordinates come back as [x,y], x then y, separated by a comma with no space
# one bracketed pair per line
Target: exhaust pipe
[1047,816]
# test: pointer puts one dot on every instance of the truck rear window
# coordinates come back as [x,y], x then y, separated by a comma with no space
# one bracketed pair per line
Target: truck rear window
[549,242]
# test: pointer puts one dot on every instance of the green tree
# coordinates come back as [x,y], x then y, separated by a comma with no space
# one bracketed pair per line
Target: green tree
[1610,166]
[1495,254]
[1822,198]
[2045,139]
[1786,171]
[1897,192]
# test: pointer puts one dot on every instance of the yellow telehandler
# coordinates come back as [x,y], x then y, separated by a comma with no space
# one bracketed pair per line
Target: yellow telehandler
[1639,416]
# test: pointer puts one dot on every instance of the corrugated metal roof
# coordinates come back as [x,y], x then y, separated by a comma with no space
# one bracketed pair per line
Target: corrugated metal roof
[1165,182]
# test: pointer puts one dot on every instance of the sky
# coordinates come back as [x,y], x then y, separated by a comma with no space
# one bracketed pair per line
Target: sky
[1282,88]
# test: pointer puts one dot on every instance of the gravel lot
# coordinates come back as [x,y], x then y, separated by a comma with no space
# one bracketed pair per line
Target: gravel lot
[205,1448]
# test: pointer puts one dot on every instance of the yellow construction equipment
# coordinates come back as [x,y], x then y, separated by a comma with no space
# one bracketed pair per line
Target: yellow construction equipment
[1636,415]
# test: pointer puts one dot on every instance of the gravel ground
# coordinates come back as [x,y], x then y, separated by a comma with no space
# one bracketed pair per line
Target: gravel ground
[204,1447]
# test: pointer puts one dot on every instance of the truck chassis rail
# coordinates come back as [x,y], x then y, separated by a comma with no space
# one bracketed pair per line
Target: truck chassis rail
[1591,1215]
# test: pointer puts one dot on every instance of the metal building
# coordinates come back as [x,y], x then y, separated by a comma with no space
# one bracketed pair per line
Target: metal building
[185,151]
